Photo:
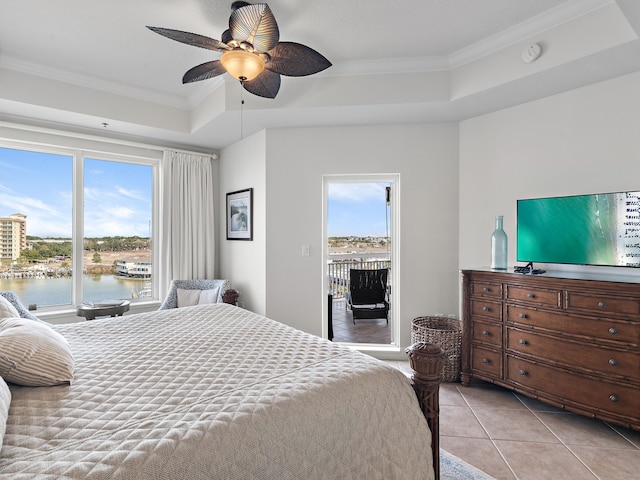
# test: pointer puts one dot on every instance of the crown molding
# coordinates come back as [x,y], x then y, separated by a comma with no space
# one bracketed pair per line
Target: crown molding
[389,65]
[540,23]
[200,91]
[534,26]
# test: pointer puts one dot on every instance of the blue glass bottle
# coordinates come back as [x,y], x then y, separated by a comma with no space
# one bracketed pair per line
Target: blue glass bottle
[499,246]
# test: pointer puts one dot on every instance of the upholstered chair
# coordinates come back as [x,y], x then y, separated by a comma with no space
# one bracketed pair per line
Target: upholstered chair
[14,300]
[193,292]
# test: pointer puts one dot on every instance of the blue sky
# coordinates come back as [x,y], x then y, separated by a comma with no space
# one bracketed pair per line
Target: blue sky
[117,195]
[357,209]
[118,198]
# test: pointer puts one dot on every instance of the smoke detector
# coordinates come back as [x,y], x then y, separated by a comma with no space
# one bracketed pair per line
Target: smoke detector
[531,53]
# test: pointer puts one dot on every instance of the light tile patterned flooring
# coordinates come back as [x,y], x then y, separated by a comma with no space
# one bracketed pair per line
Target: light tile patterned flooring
[510,436]
[364,331]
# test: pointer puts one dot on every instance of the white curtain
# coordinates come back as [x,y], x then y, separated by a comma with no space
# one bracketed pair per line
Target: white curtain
[188,223]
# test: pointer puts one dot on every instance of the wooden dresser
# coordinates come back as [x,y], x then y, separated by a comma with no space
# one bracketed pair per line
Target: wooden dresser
[568,341]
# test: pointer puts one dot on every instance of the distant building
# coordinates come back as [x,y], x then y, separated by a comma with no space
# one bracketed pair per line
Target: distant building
[133,269]
[13,236]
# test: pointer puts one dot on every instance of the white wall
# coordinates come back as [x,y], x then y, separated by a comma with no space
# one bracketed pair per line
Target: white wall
[242,165]
[425,156]
[583,141]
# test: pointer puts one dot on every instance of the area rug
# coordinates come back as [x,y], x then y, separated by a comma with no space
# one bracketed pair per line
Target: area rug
[454,468]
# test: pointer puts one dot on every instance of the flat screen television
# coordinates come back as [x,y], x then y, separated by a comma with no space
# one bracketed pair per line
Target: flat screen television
[597,229]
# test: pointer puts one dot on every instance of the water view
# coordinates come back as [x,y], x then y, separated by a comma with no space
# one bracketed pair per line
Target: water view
[57,290]
[40,200]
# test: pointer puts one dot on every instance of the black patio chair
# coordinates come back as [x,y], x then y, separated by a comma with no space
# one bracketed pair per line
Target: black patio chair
[368,294]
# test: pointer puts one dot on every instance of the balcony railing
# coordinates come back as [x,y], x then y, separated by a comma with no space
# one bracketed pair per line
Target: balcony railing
[339,265]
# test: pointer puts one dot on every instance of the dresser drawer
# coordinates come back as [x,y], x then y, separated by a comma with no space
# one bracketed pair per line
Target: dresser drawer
[602,304]
[575,340]
[574,389]
[594,358]
[484,308]
[486,289]
[486,361]
[549,298]
[580,326]
[490,333]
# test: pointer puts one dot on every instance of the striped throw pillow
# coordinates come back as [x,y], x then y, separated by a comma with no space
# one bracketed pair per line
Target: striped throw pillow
[6,309]
[5,401]
[33,354]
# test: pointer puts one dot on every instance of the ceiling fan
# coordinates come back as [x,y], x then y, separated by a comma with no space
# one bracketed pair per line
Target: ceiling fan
[251,51]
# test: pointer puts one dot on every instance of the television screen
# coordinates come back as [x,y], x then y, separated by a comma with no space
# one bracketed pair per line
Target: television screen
[596,229]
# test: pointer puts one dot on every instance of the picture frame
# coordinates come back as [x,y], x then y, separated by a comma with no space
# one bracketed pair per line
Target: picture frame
[240,215]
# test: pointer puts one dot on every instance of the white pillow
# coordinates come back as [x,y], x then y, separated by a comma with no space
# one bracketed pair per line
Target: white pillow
[7,310]
[209,296]
[5,400]
[33,354]
[187,298]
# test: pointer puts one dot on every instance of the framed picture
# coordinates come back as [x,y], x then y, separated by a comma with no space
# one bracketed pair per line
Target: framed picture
[240,215]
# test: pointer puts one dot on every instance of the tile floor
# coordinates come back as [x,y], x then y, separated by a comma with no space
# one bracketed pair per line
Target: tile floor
[364,331]
[510,436]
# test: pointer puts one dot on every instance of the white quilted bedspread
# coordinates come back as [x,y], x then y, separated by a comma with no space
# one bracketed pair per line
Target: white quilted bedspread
[215,392]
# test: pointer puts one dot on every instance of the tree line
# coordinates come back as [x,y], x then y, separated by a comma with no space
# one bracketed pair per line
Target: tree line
[42,250]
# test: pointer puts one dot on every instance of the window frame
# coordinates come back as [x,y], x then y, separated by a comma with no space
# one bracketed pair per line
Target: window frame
[108,151]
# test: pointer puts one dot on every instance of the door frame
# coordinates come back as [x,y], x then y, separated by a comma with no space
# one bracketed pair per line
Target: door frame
[394,319]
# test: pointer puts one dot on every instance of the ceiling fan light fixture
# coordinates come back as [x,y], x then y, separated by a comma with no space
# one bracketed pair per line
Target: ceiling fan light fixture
[242,65]
[251,51]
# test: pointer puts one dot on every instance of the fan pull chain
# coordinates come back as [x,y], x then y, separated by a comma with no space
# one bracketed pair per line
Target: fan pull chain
[241,110]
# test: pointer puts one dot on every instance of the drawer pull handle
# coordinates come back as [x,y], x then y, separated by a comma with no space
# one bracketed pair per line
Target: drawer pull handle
[485,361]
[602,304]
[485,289]
[485,308]
[613,362]
[523,316]
[530,295]
[523,373]
[613,331]
[613,398]
[522,341]
[485,333]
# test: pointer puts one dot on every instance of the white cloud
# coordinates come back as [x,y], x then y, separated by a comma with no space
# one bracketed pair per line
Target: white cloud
[133,194]
[26,205]
[114,212]
[120,212]
[13,166]
[43,219]
[48,227]
[357,192]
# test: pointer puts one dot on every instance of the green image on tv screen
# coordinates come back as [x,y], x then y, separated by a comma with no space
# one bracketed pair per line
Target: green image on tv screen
[598,229]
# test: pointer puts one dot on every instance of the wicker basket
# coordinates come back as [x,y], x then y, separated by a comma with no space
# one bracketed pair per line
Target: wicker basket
[446,333]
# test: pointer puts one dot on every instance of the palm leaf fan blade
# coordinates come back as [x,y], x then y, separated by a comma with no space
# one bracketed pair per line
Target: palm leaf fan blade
[203,72]
[296,60]
[237,5]
[256,25]
[191,38]
[266,85]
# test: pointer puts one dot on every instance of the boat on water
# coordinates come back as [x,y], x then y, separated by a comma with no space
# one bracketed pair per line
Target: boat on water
[133,269]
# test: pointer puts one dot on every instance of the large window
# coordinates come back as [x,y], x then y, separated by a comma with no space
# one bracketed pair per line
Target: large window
[76,227]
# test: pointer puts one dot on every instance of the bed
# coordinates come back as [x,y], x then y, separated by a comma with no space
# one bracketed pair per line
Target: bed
[217,392]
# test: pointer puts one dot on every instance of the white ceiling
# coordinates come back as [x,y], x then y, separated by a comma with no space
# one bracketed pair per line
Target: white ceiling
[77,64]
